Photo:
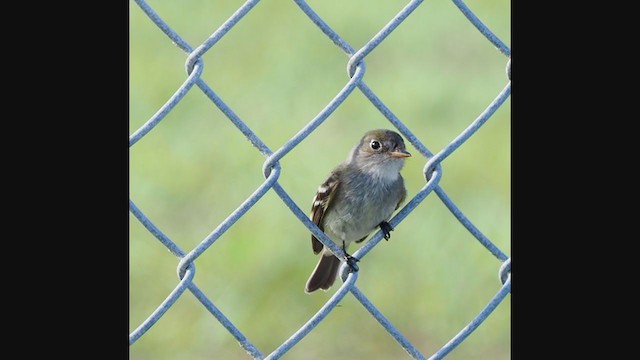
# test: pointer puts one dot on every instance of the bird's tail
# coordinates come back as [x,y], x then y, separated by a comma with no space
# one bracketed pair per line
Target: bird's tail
[325,273]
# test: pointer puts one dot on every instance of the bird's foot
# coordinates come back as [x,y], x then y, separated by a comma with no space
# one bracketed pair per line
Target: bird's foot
[351,261]
[386,229]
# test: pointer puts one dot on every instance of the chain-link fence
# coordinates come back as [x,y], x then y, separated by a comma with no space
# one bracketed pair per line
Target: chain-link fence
[272,170]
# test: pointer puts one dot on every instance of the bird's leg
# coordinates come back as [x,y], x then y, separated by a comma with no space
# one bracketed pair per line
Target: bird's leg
[386,229]
[351,261]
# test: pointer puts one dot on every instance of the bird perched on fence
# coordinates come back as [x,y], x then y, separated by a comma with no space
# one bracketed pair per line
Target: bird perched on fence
[359,195]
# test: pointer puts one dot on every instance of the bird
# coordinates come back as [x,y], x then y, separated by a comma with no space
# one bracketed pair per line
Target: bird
[359,195]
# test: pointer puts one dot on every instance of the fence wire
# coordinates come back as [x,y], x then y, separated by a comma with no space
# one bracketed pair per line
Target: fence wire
[271,169]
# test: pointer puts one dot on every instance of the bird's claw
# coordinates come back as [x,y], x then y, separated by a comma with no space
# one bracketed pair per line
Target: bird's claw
[351,261]
[386,230]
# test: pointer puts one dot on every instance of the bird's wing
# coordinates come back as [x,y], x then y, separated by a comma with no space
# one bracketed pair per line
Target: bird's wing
[321,202]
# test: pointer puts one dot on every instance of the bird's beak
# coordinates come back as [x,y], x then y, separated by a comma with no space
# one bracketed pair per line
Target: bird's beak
[400,154]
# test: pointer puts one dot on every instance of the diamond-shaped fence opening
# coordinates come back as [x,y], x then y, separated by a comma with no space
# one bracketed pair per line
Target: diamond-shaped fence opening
[222,264]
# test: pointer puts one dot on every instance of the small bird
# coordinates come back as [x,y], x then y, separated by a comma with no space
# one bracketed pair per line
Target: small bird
[359,195]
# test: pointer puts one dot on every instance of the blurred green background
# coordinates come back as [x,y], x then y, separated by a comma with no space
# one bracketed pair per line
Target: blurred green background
[277,71]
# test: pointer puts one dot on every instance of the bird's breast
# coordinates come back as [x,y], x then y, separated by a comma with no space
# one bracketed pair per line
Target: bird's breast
[355,216]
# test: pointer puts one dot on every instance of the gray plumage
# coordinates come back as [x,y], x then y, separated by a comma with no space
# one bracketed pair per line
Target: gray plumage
[359,194]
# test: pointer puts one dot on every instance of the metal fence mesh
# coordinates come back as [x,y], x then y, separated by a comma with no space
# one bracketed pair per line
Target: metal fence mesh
[272,170]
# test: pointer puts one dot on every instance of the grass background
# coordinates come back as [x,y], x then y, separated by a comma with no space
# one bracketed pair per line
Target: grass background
[277,71]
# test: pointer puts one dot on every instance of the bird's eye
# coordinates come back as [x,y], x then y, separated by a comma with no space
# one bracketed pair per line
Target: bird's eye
[375,145]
